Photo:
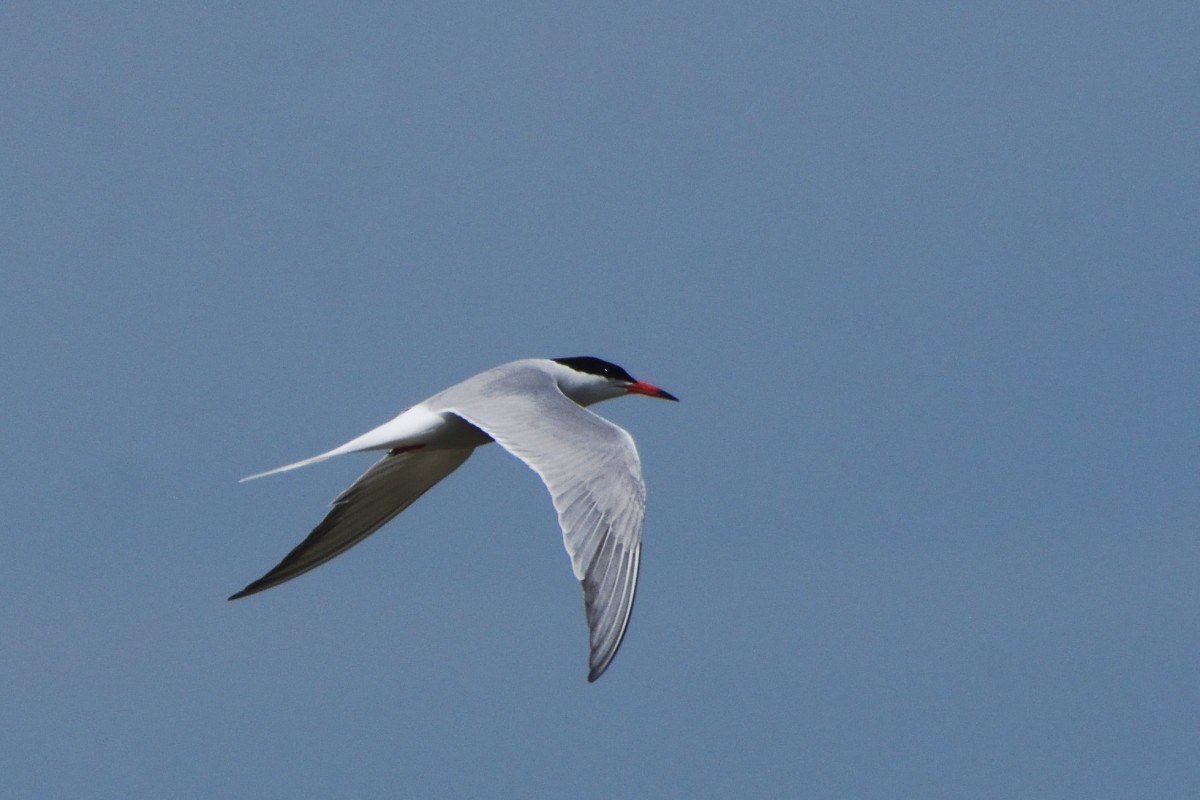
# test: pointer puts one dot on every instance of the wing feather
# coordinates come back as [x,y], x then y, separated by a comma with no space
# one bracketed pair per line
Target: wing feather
[592,470]
[391,485]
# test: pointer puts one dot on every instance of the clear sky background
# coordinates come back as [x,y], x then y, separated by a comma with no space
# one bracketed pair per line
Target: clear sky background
[926,277]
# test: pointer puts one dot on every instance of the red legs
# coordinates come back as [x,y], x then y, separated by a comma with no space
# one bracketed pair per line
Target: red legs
[395,451]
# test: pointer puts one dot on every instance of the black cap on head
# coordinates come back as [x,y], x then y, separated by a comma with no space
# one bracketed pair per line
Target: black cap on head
[596,366]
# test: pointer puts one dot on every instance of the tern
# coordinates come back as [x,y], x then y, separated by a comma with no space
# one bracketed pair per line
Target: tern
[536,409]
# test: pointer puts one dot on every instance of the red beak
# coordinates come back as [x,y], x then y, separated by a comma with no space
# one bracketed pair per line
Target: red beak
[650,390]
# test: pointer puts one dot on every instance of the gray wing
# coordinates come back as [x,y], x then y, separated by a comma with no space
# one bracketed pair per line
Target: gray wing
[391,485]
[592,470]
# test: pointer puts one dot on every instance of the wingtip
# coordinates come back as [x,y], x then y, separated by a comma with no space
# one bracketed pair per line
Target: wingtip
[253,588]
[596,669]
[595,672]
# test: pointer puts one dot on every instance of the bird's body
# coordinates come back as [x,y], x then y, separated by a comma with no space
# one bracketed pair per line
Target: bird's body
[535,409]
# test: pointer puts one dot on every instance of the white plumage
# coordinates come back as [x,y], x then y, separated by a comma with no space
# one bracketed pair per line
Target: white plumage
[534,409]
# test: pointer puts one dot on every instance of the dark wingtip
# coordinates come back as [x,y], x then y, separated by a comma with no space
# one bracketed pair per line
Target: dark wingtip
[253,588]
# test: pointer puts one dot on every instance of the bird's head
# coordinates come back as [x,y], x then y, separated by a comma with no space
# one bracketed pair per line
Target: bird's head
[587,380]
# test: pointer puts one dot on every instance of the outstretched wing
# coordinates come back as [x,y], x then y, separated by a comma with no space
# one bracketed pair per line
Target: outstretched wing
[382,492]
[592,470]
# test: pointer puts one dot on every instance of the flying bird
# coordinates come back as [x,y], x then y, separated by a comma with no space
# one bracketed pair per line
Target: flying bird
[536,409]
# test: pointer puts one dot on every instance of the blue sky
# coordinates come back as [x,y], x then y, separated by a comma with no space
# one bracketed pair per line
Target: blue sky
[925,277]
